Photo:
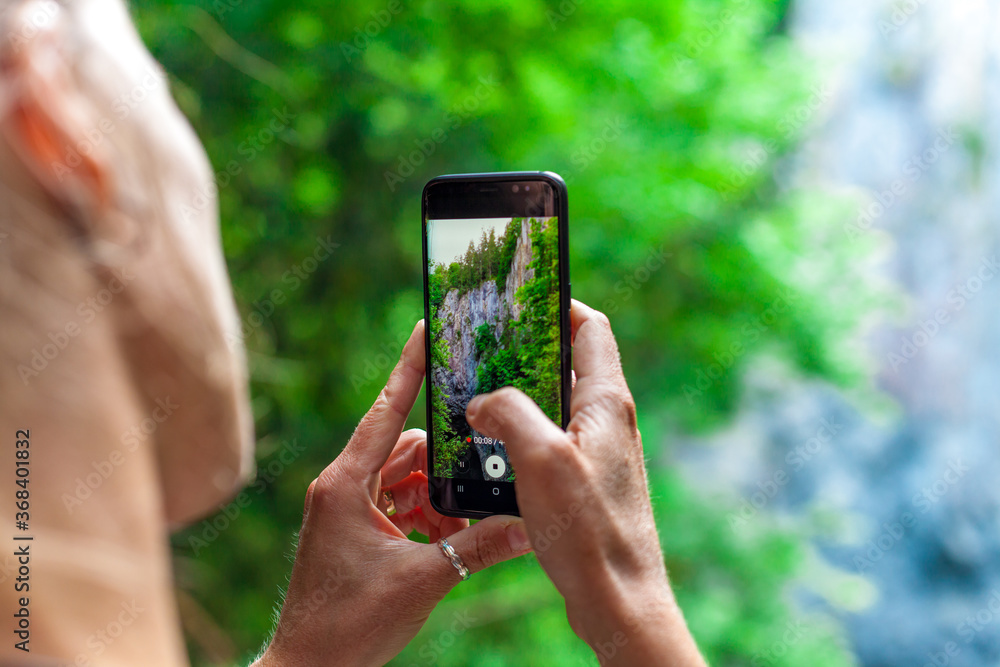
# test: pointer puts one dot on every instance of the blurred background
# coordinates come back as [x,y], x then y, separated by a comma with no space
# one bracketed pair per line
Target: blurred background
[814,361]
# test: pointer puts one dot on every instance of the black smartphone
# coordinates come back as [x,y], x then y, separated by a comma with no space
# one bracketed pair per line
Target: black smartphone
[496,308]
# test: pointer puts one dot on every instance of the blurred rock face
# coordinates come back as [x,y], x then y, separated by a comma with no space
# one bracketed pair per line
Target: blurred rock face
[908,501]
[463,314]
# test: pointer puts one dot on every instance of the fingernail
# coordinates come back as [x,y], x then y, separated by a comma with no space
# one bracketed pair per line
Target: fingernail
[517,538]
[473,406]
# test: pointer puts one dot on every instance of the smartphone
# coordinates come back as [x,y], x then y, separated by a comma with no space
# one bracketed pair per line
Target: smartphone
[496,308]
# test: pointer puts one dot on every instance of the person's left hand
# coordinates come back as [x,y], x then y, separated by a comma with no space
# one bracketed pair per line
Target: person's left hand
[360,590]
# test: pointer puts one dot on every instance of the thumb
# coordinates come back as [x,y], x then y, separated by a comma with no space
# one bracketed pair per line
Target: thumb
[488,542]
[529,436]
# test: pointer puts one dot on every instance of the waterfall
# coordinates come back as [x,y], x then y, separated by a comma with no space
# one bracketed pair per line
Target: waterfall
[910,496]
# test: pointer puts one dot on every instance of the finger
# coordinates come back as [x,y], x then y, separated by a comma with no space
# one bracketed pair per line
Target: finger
[447,526]
[409,493]
[434,527]
[412,493]
[412,521]
[375,437]
[509,415]
[595,351]
[491,541]
[409,455]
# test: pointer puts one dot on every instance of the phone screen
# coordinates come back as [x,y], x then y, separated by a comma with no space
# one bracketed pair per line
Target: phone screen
[495,307]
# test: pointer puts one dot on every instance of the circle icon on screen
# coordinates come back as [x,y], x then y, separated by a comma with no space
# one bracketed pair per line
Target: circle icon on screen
[495,466]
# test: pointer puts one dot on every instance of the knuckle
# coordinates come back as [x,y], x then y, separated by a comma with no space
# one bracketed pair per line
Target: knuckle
[322,492]
[409,497]
[308,500]
[502,404]
[558,447]
[615,407]
[618,401]
[629,410]
[388,401]
[601,320]
[505,396]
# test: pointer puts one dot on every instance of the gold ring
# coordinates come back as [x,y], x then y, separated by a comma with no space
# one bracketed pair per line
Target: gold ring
[390,504]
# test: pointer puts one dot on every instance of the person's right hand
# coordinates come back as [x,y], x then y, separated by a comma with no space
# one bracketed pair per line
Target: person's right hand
[584,499]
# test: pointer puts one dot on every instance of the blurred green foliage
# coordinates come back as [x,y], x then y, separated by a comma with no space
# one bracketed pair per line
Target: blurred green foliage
[324,120]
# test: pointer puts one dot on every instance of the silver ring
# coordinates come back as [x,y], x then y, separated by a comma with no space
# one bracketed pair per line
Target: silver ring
[456,560]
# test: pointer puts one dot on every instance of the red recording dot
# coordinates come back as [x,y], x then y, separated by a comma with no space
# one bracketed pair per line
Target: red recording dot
[468,439]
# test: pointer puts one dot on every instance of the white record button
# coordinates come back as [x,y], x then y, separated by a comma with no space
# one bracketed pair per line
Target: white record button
[495,466]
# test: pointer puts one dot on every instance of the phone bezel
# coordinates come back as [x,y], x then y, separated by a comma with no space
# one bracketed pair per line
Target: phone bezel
[441,489]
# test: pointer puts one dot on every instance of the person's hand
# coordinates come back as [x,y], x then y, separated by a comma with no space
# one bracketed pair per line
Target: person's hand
[360,590]
[584,498]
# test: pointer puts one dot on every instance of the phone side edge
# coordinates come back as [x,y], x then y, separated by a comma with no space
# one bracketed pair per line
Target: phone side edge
[429,425]
[565,292]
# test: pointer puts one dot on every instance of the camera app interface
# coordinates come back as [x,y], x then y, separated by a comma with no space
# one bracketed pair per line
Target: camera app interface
[494,322]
